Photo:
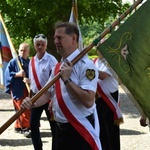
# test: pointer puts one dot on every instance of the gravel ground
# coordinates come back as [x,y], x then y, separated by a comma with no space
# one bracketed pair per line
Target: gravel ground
[133,136]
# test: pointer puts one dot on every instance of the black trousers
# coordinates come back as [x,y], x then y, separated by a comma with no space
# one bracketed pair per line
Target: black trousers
[68,138]
[109,132]
[35,123]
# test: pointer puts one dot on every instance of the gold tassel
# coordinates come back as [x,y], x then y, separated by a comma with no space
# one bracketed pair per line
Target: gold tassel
[118,121]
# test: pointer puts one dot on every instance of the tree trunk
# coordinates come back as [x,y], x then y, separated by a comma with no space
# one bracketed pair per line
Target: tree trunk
[51,46]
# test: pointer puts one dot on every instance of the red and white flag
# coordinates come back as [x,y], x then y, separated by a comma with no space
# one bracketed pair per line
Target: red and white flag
[7,51]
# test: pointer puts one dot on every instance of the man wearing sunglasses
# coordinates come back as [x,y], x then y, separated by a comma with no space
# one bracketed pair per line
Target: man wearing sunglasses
[39,71]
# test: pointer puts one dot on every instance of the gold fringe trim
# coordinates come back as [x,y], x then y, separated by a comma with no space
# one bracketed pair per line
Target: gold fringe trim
[118,121]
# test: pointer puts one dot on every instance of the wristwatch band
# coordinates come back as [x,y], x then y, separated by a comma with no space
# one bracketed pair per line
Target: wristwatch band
[67,81]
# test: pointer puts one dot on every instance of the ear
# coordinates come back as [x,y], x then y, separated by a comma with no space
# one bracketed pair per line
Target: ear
[74,37]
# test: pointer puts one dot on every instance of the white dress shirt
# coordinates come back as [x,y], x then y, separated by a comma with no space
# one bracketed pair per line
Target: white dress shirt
[43,69]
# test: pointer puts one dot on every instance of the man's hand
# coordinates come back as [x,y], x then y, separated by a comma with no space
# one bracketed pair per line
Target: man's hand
[27,103]
[21,73]
[66,70]
[143,121]
[26,80]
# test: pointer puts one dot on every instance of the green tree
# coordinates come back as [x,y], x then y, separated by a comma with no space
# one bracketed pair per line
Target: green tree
[25,18]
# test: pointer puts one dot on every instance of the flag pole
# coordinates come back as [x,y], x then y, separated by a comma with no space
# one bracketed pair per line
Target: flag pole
[74,61]
[75,10]
[115,23]
[74,18]
[13,49]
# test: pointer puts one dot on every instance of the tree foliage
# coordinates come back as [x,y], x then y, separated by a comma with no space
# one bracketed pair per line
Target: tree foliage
[25,18]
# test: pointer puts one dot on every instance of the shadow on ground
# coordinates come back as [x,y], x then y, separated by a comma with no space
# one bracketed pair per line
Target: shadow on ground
[127,107]
[15,142]
[23,142]
[6,109]
[4,95]
[46,134]
[130,132]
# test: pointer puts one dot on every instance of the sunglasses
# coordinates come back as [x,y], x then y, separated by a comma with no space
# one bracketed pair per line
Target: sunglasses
[40,35]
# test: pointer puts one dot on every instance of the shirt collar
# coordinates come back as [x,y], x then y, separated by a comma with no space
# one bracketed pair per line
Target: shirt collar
[43,58]
[72,56]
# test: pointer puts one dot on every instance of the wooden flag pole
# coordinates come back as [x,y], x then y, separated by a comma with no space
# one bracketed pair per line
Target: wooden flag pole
[13,49]
[74,61]
[115,23]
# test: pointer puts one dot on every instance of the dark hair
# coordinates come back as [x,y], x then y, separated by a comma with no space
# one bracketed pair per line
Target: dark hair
[70,28]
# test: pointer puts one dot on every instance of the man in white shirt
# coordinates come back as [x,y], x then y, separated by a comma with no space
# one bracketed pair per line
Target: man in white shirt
[39,72]
[107,105]
[72,96]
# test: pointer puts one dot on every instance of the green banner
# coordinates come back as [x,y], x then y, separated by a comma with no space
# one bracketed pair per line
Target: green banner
[127,51]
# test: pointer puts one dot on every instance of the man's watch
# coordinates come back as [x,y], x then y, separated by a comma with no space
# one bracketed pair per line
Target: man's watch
[67,81]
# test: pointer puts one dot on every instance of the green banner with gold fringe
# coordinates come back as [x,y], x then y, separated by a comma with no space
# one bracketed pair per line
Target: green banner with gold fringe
[127,51]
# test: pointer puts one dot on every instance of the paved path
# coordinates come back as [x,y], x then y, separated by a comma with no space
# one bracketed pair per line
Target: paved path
[14,141]
[133,136]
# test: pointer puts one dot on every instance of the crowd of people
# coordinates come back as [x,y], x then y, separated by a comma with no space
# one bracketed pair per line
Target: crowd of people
[82,106]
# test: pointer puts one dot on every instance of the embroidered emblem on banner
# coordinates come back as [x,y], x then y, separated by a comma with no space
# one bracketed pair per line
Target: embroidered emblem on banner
[90,73]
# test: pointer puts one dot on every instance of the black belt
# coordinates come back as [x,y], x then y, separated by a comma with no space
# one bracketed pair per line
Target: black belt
[64,126]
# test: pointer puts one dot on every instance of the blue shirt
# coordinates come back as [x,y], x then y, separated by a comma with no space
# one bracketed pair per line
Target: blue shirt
[16,86]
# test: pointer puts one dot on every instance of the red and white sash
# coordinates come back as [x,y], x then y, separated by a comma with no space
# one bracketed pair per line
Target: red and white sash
[95,59]
[109,100]
[35,75]
[75,116]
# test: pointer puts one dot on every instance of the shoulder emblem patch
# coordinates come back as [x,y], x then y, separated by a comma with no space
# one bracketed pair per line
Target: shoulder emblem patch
[90,73]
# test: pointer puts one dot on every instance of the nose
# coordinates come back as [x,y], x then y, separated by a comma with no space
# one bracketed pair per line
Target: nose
[56,40]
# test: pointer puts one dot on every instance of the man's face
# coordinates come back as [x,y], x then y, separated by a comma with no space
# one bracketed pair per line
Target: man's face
[62,40]
[40,46]
[23,51]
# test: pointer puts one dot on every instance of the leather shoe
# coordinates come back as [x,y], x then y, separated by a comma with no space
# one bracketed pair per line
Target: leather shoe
[17,130]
